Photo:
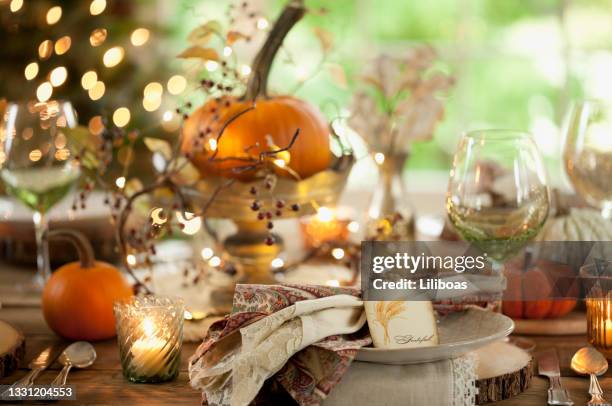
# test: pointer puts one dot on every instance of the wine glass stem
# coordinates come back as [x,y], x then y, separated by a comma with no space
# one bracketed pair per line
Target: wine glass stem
[42,245]
[498,270]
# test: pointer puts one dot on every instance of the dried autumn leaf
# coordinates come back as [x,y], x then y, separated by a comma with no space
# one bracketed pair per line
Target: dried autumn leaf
[202,34]
[337,74]
[196,51]
[234,36]
[420,117]
[325,38]
[160,146]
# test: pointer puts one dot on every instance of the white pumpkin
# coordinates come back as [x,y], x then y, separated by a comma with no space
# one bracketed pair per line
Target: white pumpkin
[580,224]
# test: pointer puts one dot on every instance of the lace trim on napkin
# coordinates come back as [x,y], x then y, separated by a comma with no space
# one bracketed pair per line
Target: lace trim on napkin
[464,380]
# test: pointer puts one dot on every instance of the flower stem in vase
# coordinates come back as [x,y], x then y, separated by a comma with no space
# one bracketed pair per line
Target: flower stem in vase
[390,215]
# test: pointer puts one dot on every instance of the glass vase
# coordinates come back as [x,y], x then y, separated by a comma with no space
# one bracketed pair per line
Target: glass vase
[390,214]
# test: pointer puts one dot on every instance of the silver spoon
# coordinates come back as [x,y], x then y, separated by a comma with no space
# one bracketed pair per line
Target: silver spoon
[80,354]
[589,361]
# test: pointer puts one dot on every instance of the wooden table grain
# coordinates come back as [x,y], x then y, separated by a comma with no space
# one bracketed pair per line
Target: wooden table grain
[103,382]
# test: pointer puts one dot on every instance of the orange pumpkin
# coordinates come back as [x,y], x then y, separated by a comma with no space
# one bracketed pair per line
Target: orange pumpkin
[526,282]
[227,135]
[77,300]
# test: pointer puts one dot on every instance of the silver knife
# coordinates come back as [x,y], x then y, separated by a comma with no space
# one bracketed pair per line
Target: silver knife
[548,365]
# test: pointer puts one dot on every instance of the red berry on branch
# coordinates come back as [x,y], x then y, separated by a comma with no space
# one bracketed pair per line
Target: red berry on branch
[255,206]
[295,207]
[270,240]
[270,225]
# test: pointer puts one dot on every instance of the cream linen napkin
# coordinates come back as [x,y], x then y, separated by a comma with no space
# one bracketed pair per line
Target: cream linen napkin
[442,383]
[267,344]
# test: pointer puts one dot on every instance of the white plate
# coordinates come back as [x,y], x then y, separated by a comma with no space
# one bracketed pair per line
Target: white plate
[459,334]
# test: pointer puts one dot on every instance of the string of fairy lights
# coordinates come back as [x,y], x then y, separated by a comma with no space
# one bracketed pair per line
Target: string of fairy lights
[92,81]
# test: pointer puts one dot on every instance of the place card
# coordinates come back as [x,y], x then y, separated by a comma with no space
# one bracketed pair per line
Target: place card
[402,324]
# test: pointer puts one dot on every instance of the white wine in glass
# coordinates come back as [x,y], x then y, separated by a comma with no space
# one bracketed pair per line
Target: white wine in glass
[588,153]
[38,165]
[497,194]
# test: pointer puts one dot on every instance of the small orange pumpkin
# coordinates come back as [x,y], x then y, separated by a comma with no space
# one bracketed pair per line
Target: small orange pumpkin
[77,300]
[526,282]
[258,123]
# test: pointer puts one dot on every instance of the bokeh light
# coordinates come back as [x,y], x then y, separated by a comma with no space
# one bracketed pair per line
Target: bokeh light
[31,70]
[45,49]
[139,37]
[16,5]
[113,56]
[89,79]
[62,45]
[97,91]
[54,15]
[35,155]
[177,84]
[96,125]
[44,92]
[151,104]
[121,116]
[97,7]
[58,76]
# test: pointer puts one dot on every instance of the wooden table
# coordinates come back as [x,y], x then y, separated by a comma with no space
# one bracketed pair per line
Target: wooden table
[103,383]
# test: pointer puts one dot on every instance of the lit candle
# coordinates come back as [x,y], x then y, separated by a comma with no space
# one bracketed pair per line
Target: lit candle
[149,331]
[596,279]
[148,352]
[326,226]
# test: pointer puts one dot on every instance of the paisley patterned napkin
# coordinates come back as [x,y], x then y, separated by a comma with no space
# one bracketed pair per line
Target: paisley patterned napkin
[307,377]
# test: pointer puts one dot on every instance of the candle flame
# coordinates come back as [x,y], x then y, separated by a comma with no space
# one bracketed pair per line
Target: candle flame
[148,327]
[325,214]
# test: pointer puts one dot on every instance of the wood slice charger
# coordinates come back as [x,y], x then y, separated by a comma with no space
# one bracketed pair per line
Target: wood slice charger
[12,348]
[503,370]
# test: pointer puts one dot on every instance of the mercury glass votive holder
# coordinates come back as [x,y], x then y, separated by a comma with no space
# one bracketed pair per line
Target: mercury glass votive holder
[597,281]
[150,336]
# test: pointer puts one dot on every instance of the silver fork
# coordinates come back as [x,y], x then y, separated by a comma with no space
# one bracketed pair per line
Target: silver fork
[37,365]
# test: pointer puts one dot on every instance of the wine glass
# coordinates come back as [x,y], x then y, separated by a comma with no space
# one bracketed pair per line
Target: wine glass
[588,153]
[497,195]
[37,164]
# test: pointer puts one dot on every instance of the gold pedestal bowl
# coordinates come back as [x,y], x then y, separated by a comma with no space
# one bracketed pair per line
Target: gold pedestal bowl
[247,247]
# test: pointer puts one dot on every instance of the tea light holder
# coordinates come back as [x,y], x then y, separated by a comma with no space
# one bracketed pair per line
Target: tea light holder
[327,225]
[597,279]
[150,336]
